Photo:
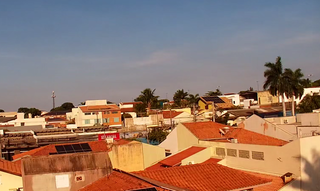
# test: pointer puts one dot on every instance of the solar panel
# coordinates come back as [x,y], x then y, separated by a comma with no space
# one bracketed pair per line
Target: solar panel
[74,148]
[215,99]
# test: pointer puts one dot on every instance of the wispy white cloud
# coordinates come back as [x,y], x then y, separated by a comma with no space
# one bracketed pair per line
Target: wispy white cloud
[161,57]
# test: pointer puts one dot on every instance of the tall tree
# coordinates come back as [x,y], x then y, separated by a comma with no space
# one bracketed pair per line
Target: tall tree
[193,101]
[274,81]
[147,97]
[1,110]
[34,111]
[179,98]
[306,83]
[214,93]
[293,87]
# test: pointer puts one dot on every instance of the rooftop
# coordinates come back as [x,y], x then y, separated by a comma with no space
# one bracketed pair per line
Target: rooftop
[10,167]
[96,146]
[95,108]
[175,160]
[211,131]
[172,114]
[119,181]
[205,177]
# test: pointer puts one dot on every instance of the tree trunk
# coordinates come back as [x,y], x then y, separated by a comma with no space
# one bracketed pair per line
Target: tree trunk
[293,106]
[283,106]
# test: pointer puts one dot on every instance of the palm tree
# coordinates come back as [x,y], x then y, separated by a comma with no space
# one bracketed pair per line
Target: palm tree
[274,80]
[180,97]
[214,93]
[294,87]
[193,100]
[147,97]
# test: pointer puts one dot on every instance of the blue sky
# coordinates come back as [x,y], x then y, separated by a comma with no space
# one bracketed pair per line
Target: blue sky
[114,49]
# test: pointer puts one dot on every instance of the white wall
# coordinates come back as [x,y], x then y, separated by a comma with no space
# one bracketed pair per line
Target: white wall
[307,91]
[181,118]
[96,102]
[28,121]
[234,97]
[8,181]
[171,142]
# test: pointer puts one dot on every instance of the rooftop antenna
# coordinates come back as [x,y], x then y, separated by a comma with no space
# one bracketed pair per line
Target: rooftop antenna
[53,103]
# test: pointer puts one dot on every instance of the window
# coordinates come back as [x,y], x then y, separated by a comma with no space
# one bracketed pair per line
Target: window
[106,120]
[114,112]
[87,121]
[116,119]
[106,112]
[244,154]
[220,151]
[22,124]
[232,152]
[257,155]
[87,113]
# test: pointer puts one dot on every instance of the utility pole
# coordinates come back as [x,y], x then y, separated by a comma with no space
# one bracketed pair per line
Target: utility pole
[213,112]
[53,97]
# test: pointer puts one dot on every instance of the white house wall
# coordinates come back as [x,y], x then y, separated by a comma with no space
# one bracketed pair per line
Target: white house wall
[171,142]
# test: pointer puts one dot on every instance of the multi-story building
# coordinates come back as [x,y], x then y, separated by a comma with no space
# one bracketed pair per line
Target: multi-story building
[91,114]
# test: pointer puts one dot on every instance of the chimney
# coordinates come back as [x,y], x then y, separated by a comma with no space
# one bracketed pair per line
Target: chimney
[287,177]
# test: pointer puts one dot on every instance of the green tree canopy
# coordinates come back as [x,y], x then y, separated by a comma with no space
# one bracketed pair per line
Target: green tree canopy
[214,93]
[67,106]
[1,110]
[157,135]
[309,103]
[179,98]
[141,109]
[34,111]
[148,98]
[274,80]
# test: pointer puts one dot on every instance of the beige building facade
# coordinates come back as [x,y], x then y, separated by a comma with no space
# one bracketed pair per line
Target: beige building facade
[10,182]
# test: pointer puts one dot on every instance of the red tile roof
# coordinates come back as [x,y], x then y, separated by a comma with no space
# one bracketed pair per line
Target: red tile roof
[10,167]
[176,159]
[118,181]
[249,137]
[205,177]
[212,160]
[95,108]
[211,130]
[276,184]
[96,146]
[166,114]
[128,110]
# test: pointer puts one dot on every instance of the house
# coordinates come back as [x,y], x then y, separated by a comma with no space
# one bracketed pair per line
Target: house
[64,171]
[102,114]
[129,108]
[188,134]
[10,175]
[124,155]
[176,117]
[22,121]
[234,97]
[285,128]
[8,114]
[265,98]
[205,103]
[200,177]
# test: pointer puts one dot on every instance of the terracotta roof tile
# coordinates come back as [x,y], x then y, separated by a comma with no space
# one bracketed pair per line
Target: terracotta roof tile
[96,146]
[205,130]
[249,137]
[176,159]
[205,177]
[276,184]
[10,167]
[166,114]
[128,110]
[118,181]
[211,130]
[211,160]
